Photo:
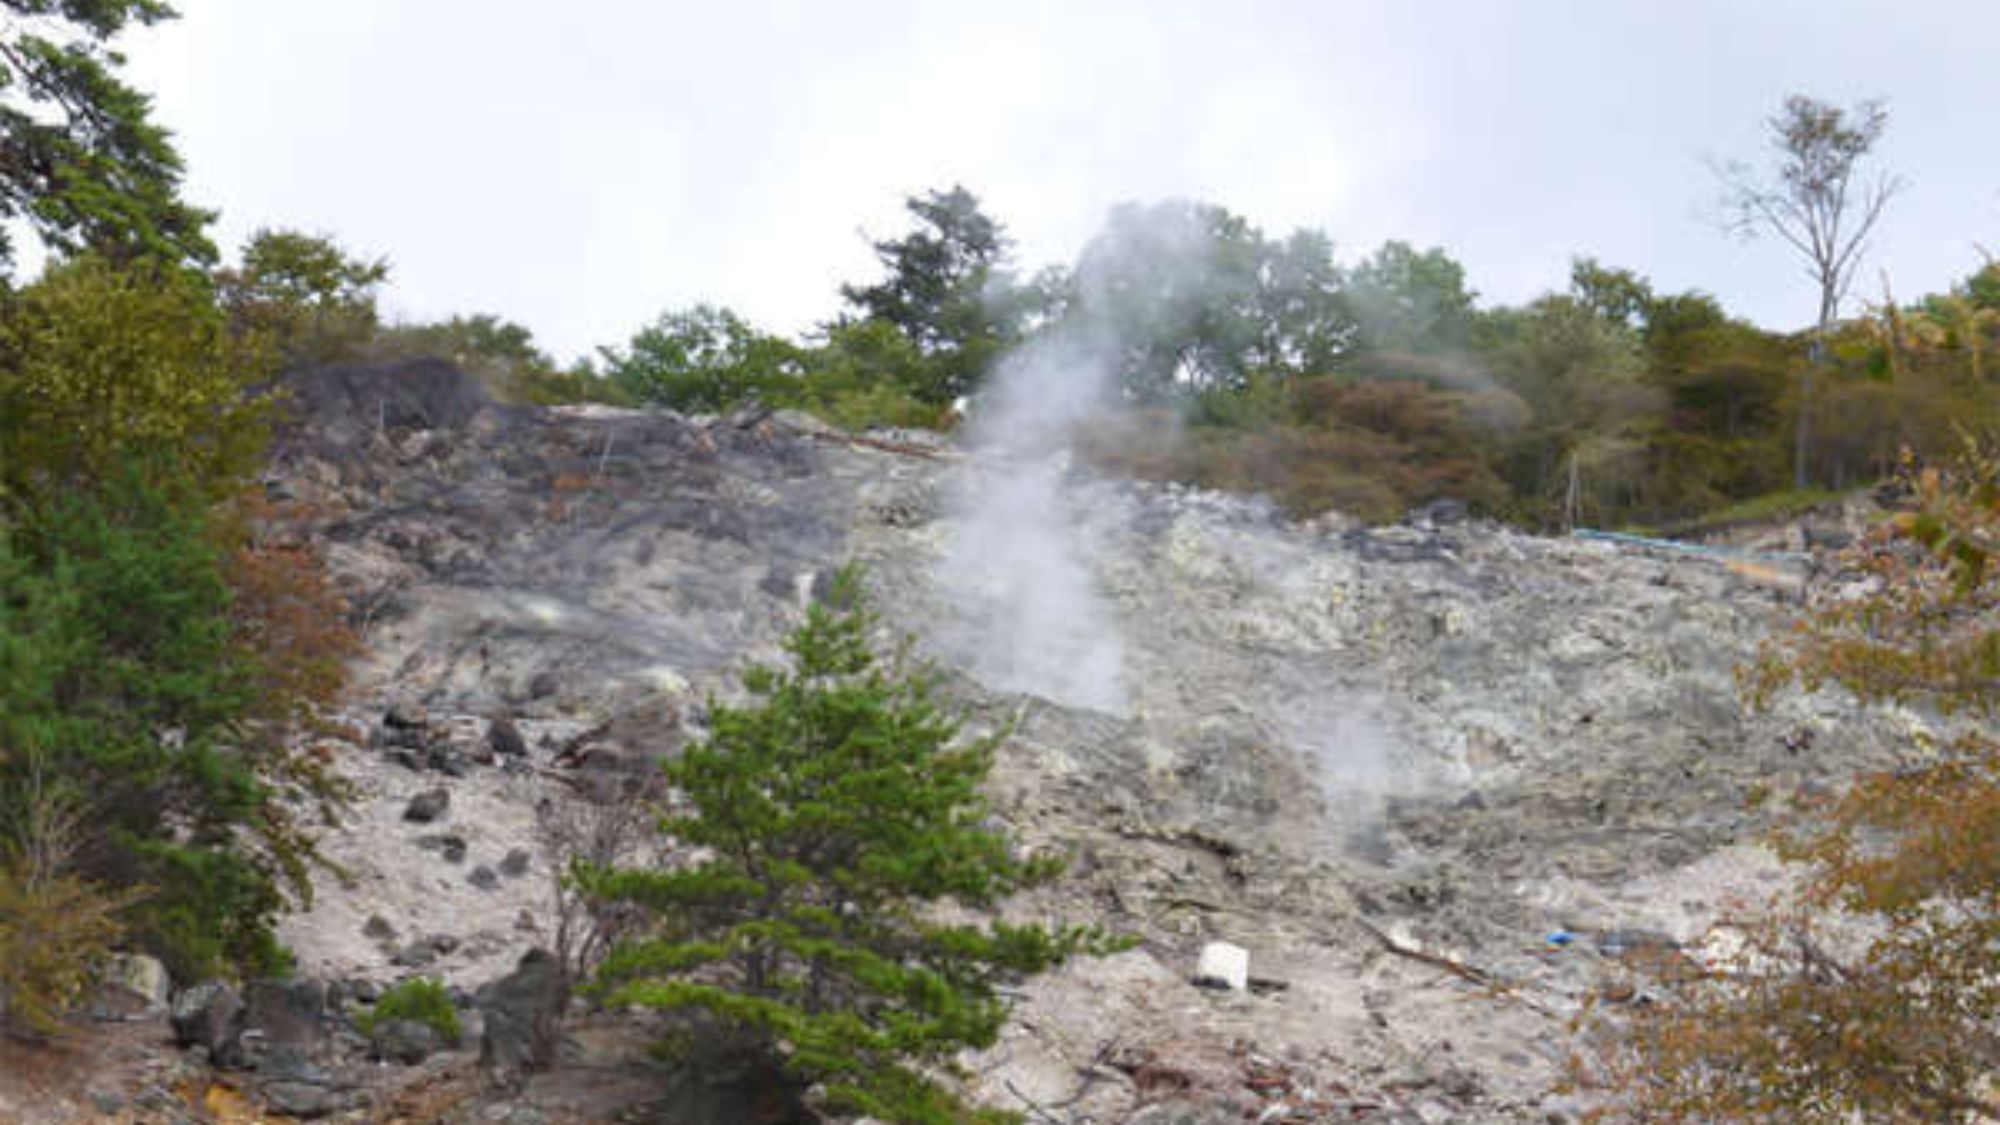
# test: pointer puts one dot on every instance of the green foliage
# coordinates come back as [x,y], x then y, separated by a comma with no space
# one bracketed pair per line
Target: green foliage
[1616,296]
[1406,300]
[703,359]
[828,821]
[304,295]
[948,291]
[121,674]
[503,356]
[418,999]
[154,648]
[82,164]
[1579,373]
[1770,507]
[1176,285]
[868,373]
[100,364]
[1373,449]
[1983,288]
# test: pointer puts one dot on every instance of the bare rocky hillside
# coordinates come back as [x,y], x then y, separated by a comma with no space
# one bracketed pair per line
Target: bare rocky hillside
[1389,762]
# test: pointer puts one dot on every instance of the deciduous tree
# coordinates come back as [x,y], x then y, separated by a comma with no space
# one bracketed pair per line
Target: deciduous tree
[1817,200]
[100,364]
[703,358]
[311,299]
[1872,995]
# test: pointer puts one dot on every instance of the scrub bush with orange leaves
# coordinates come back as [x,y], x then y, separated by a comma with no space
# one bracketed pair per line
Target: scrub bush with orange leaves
[1873,993]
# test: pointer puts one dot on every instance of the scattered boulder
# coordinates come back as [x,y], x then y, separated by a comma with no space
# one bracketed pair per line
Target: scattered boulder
[1438,513]
[516,863]
[406,738]
[304,1100]
[405,1041]
[1223,966]
[353,990]
[377,928]
[483,878]
[427,806]
[405,716]
[416,955]
[424,950]
[133,984]
[450,846]
[208,1015]
[1461,1082]
[522,1018]
[505,738]
[288,1013]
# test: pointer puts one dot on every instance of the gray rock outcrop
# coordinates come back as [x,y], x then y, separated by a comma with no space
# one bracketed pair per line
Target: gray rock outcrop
[521,1016]
[1329,741]
[208,1015]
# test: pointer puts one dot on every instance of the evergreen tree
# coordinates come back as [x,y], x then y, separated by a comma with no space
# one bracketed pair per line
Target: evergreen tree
[122,684]
[82,164]
[830,820]
[949,290]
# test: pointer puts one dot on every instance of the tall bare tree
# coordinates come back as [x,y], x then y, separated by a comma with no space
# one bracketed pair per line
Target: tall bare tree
[1818,201]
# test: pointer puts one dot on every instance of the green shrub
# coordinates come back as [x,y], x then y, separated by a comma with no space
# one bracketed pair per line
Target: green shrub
[56,930]
[54,933]
[417,999]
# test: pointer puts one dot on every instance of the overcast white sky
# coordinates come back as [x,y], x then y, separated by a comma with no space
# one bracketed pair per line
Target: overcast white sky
[581,166]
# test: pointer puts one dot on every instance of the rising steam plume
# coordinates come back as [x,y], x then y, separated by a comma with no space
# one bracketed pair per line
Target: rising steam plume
[1017,564]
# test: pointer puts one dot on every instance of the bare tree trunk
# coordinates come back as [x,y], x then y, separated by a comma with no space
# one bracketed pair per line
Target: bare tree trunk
[1829,303]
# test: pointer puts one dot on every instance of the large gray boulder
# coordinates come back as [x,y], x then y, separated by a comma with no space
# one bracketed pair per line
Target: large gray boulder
[405,1041]
[288,1012]
[208,1015]
[283,1026]
[521,1017]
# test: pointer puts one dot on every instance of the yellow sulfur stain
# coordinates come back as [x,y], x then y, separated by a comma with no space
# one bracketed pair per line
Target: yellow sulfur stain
[228,1106]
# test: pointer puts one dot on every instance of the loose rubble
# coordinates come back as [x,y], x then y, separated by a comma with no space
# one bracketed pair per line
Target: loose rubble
[1391,761]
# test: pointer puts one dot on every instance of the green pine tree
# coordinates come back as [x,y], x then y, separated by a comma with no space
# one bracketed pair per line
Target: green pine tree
[831,822]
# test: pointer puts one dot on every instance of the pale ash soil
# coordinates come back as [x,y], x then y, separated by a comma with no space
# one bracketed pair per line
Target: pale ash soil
[1454,738]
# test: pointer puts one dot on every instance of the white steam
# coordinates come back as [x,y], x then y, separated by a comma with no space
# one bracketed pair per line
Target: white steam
[1016,565]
